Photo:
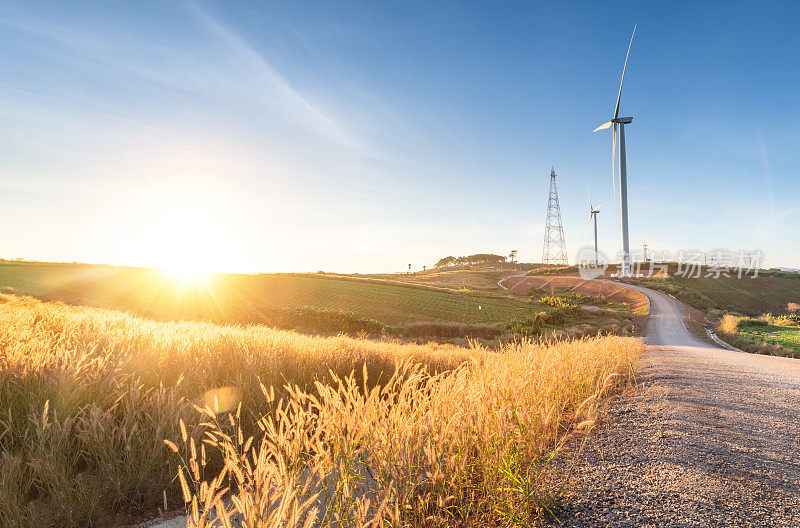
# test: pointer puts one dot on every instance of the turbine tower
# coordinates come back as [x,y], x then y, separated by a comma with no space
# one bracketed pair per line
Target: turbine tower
[593,215]
[555,249]
[623,169]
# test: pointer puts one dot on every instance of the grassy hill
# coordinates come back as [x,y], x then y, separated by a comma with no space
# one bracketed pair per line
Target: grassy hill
[769,292]
[236,298]
[417,306]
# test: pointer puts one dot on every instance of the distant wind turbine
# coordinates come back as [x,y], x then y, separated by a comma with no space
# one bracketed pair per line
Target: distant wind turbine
[593,215]
[623,176]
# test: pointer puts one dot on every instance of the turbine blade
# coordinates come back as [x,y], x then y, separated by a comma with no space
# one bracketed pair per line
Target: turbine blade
[614,159]
[619,95]
[590,201]
[589,224]
[602,127]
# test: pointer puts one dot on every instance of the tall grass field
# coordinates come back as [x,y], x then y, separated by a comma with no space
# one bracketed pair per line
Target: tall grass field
[103,413]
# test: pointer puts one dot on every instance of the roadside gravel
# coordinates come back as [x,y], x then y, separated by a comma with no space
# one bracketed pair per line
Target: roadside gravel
[707,437]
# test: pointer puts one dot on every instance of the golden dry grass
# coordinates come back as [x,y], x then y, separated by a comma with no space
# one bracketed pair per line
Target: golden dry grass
[729,324]
[87,397]
[116,385]
[467,447]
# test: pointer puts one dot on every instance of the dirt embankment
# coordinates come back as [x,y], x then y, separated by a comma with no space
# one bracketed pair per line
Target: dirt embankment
[611,291]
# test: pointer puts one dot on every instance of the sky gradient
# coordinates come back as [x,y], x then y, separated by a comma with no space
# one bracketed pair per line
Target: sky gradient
[361,137]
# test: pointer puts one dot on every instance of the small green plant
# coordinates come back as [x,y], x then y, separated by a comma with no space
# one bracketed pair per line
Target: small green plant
[558,302]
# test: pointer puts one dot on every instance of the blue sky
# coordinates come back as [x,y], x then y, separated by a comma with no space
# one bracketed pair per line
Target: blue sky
[292,136]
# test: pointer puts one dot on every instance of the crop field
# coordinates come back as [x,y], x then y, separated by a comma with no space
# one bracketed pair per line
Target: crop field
[102,413]
[749,296]
[454,279]
[232,298]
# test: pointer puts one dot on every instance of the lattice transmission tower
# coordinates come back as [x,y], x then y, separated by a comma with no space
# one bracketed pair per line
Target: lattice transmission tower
[555,248]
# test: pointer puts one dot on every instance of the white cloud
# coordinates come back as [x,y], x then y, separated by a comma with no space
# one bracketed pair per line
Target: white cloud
[306,111]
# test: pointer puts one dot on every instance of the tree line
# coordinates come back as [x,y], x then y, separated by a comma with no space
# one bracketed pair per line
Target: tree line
[479,259]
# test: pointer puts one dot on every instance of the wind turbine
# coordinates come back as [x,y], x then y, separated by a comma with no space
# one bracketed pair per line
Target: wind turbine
[623,173]
[593,215]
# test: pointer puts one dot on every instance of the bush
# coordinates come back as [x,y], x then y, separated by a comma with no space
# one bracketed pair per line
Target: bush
[529,326]
[729,324]
[449,330]
[558,302]
[536,324]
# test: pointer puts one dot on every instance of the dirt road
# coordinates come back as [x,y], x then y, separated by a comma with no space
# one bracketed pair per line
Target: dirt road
[709,437]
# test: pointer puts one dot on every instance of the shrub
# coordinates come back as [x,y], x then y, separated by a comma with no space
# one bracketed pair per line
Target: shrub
[558,302]
[536,324]
[729,324]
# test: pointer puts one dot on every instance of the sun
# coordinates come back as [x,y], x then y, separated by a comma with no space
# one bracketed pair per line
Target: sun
[186,273]
[184,233]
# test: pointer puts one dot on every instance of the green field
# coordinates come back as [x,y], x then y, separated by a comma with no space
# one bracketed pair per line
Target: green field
[787,336]
[241,298]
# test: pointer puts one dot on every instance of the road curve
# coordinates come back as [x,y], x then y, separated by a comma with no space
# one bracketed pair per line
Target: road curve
[708,437]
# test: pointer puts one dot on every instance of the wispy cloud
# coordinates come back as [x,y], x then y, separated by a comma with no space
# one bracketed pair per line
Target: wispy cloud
[244,72]
[787,212]
[305,110]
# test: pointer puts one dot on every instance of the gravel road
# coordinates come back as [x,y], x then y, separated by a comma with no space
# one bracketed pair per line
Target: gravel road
[707,437]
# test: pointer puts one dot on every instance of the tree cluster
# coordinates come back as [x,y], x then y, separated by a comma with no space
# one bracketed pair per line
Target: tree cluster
[479,259]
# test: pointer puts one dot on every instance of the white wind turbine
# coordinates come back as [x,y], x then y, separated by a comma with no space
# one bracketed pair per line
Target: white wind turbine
[623,176]
[593,215]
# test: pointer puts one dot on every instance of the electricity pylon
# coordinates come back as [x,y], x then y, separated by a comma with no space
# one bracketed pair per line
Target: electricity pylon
[555,248]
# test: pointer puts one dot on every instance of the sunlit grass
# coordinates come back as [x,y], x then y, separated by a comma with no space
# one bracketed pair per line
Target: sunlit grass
[88,396]
[183,292]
